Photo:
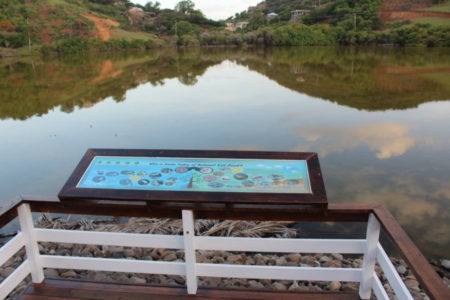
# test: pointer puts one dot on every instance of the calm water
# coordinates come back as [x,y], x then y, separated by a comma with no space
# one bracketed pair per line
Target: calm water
[379,118]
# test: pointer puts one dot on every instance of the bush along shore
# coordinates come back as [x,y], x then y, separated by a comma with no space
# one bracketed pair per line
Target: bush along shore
[208,228]
[423,35]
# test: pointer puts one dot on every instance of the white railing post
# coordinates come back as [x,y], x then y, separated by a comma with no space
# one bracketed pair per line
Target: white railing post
[370,255]
[31,245]
[189,251]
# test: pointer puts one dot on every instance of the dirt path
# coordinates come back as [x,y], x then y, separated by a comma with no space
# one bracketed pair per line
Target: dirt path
[103,26]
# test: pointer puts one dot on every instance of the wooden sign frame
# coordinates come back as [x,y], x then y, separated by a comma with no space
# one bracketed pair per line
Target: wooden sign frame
[70,191]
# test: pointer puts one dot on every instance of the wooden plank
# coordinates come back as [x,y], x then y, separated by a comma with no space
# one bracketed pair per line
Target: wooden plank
[425,274]
[378,289]
[189,252]
[109,238]
[31,245]
[279,245]
[113,265]
[279,273]
[11,248]
[13,280]
[334,213]
[71,289]
[391,274]
[9,211]
[370,255]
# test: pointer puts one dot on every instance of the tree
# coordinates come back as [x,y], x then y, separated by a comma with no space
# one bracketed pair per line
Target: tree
[185,7]
[257,20]
[152,7]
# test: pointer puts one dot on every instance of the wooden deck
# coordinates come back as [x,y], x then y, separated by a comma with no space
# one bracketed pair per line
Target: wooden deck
[55,289]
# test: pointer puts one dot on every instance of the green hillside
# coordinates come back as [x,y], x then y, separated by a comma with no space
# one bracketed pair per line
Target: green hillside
[73,25]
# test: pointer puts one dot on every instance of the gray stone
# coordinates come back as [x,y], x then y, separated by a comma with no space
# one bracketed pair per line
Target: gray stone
[69,274]
[294,257]
[295,287]
[170,257]
[308,260]
[137,280]
[324,259]
[446,263]
[334,286]
[7,271]
[411,283]
[337,256]
[401,269]
[100,277]
[52,273]
[349,287]
[357,263]
[66,246]
[179,279]
[120,277]
[259,259]
[234,259]
[129,253]
[279,286]
[255,284]
[88,249]
[281,261]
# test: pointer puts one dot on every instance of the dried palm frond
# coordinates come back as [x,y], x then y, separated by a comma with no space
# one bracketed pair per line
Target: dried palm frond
[174,226]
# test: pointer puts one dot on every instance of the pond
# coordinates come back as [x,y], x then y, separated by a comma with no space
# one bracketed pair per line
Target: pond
[378,117]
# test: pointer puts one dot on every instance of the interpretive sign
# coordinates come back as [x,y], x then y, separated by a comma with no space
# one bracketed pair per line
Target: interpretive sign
[197,176]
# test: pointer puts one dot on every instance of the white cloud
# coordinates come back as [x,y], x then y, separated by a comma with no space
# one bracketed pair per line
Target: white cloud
[214,9]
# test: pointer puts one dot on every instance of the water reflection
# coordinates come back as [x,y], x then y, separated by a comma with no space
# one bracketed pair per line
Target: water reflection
[377,116]
[369,79]
[387,139]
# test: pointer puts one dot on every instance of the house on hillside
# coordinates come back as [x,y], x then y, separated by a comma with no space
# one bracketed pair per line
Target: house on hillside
[230,26]
[300,12]
[296,14]
[241,25]
[271,16]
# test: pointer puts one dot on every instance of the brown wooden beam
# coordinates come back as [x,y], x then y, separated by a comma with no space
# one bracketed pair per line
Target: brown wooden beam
[74,289]
[425,274]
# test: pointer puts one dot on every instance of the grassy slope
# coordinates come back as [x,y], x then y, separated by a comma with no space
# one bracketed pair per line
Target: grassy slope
[445,7]
[56,20]
[433,21]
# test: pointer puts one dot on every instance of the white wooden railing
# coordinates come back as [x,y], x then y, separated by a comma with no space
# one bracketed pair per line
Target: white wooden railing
[36,262]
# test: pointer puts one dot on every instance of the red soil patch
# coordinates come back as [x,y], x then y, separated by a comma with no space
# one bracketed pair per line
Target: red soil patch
[6,26]
[47,11]
[410,15]
[57,22]
[45,35]
[404,5]
[103,26]
[399,79]
[108,71]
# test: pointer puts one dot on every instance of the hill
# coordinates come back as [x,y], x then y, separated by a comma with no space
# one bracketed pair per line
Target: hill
[334,11]
[26,23]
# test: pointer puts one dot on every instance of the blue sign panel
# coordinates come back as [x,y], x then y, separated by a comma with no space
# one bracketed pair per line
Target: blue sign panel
[197,175]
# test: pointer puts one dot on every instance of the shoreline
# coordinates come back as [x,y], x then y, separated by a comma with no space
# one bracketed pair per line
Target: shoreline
[8,53]
[208,228]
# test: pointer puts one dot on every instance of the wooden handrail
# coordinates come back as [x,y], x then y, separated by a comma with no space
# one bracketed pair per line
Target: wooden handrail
[424,273]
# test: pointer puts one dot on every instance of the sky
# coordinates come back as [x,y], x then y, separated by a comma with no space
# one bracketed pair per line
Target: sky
[214,9]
